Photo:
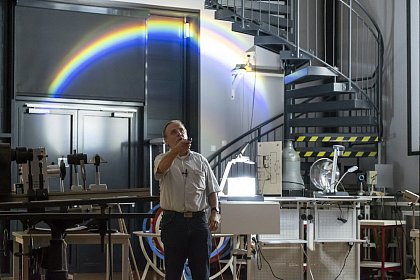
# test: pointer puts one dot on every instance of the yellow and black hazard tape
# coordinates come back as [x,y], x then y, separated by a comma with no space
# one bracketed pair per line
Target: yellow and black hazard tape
[349,139]
[350,154]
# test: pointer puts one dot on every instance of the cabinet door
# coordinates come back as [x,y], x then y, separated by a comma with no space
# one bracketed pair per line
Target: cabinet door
[52,129]
[110,135]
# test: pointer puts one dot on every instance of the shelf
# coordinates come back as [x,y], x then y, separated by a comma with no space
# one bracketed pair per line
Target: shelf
[268,243]
[339,241]
[382,223]
[372,264]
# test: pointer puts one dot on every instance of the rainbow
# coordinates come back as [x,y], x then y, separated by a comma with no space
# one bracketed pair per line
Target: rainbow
[115,40]
[218,39]
[107,43]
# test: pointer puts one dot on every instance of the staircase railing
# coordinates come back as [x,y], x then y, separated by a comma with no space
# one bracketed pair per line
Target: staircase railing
[339,35]
[270,130]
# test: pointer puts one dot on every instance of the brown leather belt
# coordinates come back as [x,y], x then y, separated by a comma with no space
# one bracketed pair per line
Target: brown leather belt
[186,214]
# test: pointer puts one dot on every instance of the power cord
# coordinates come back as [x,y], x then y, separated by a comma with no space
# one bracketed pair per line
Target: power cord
[259,263]
[341,215]
[345,260]
[308,263]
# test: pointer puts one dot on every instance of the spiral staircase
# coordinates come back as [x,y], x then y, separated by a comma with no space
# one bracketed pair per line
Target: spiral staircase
[332,56]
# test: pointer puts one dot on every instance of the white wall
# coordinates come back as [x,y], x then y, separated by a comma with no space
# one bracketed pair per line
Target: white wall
[391,18]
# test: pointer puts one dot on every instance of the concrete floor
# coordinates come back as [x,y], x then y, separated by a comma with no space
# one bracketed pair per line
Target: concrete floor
[117,276]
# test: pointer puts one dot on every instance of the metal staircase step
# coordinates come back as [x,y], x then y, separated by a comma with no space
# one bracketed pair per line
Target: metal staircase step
[272,43]
[320,90]
[334,122]
[291,58]
[211,5]
[330,106]
[352,138]
[276,7]
[329,152]
[275,30]
[248,28]
[226,15]
[219,4]
[262,17]
[308,74]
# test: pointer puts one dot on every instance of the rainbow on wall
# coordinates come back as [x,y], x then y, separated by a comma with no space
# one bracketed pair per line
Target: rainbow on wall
[121,38]
[106,45]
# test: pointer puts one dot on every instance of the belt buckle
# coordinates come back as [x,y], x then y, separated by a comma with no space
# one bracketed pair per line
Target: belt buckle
[188,214]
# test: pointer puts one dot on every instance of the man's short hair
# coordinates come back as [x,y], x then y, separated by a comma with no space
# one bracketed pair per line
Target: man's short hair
[168,123]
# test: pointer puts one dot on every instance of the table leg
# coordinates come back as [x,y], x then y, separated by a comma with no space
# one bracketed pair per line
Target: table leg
[124,260]
[16,260]
[109,258]
[383,253]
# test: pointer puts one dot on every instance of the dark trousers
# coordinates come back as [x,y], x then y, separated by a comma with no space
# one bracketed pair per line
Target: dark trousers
[186,238]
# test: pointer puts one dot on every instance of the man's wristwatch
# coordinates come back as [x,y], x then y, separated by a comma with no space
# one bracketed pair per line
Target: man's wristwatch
[215,209]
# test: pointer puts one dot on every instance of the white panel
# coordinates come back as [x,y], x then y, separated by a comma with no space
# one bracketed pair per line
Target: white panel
[246,217]
[289,228]
[335,224]
[285,262]
[385,173]
[269,166]
[327,260]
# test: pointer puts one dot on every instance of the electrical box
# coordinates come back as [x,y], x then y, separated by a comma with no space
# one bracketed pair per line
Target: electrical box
[371,178]
[269,166]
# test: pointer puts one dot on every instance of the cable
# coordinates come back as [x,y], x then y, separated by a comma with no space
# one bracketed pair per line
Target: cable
[259,265]
[344,264]
[253,94]
[307,261]
[341,214]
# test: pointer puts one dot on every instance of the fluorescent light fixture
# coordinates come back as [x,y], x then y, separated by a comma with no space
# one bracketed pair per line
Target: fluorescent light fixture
[79,107]
[38,111]
[122,115]
[187,32]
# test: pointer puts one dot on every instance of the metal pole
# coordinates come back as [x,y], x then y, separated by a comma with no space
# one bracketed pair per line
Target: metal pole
[350,29]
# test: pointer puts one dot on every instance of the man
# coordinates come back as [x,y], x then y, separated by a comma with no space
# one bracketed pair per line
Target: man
[188,188]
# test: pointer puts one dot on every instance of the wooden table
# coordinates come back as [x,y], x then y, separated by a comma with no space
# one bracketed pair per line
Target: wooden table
[23,240]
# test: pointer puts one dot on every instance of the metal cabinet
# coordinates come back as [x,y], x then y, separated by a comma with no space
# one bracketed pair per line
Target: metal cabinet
[110,131]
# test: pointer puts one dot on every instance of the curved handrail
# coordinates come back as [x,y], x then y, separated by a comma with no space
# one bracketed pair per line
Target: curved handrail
[243,136]
[218,160]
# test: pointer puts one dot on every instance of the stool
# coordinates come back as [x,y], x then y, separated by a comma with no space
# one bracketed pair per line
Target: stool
[383,226]
[24,240]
